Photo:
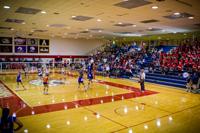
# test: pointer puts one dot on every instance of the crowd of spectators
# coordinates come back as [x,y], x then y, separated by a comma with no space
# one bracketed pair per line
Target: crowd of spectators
[124,59]
[184,58]
[127,59]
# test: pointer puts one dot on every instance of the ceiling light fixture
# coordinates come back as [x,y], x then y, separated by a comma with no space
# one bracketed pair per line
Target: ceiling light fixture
[73,16]
[130,131]
[158,123]
[43,12]
[12,29]
[68,122]
[99,20]
[97,116]
[25,130]
[154,7]
[6,7]
[23,23]
[191,17]
[145,126]
[48,126]
[134,25]
[85,118]
[120,23]
[177,13]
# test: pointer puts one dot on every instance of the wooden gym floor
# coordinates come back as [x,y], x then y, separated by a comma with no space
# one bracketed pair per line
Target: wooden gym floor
[110,105]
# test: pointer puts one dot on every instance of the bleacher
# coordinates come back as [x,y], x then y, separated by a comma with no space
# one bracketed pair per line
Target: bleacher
[170,79]
[165,49]
[159,78]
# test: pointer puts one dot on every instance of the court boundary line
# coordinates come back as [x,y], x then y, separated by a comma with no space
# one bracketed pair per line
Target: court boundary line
[136,97]
[151,106]
[15,94]
[169,113]
[94,112]
[108,98]
[86,107]
[156,118]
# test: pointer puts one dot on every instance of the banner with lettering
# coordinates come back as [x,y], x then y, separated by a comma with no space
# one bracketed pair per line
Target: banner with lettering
[6,40]
[44,49]
[32,41]
[19,41]
[20,49]
[32,49]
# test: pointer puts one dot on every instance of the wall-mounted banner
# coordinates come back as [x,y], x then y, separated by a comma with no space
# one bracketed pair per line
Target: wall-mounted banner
[44,49]
[6,49]
[20,49]
[32,41]
[20,41]
[32,49]
[44,42]
[6,40]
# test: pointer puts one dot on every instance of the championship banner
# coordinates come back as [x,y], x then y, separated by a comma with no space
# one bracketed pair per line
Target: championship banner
[6,40]
[20,41]
[6,49]
[32,41]
[20,49]
[44,49]
[32,49]
[44,42]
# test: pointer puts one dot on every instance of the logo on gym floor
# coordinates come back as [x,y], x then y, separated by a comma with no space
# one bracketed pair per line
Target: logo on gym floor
[53,82]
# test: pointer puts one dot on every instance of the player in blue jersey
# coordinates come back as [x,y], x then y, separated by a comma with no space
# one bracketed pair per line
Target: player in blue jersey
[90,73]
[90,67]
[80,79]
[19,81]
[90,77]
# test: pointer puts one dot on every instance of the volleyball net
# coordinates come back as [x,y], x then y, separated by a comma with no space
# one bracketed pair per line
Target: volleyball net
[31,66]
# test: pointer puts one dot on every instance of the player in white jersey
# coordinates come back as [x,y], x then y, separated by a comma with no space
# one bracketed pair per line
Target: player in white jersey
[40,73]
[47,71]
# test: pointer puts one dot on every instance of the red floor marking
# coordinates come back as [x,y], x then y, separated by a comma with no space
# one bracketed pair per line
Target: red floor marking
[17,105]
[131,88]
[14,102]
